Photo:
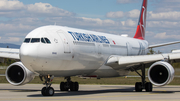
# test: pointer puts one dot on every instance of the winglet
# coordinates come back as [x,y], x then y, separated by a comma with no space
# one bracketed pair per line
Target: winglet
[140,32]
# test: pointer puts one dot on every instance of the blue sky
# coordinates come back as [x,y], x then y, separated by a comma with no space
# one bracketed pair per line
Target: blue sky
[19,17]
[90,8]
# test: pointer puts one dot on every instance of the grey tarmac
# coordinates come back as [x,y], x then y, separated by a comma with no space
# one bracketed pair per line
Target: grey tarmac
[31,92]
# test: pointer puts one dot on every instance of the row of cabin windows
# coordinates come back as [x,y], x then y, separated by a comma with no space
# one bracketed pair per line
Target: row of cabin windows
[37,40]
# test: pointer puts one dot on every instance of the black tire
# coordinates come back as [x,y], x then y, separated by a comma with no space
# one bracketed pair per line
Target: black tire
[148,87]
[49,91]
[66,86]
[62,86]
[43,91]
[76,86]
[72,86]
[138,87]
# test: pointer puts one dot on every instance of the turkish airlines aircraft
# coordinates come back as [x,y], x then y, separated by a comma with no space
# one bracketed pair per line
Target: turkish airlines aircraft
[57,51]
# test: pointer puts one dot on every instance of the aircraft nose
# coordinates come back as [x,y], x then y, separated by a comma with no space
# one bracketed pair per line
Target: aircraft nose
[28,53]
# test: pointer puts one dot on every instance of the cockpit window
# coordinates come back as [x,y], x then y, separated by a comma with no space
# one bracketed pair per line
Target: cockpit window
[27,40]
[47,40]
[42,40]
[35,40]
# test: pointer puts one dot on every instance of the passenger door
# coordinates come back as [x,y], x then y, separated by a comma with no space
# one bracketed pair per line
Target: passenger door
[65,41]
[129,49]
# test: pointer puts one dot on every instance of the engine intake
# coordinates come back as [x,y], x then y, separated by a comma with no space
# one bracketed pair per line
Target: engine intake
[18,74]
[161,73]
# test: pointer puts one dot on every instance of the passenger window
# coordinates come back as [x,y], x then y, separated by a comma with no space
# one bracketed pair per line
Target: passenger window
[47,40]
[42,40]
[35,40]
[27,40]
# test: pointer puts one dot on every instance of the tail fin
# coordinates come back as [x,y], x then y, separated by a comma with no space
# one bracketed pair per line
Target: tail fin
[140,32]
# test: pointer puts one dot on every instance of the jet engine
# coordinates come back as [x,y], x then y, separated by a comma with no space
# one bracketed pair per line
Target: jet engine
[17,74]
[161,73]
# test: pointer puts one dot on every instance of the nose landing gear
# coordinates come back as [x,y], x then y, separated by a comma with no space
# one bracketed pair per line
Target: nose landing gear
[47,90]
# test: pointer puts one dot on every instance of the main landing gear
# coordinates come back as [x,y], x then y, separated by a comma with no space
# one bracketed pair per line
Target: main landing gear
[65,86]
[47,90]
[139,86]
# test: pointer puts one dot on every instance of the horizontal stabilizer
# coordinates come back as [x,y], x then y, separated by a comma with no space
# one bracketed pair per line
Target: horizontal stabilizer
[163,44]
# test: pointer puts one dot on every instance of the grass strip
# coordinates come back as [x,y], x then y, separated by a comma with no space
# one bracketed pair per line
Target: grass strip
[102,81]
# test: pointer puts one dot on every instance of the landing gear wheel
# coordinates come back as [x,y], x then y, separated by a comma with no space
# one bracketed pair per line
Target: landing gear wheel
[65,86]
[43,91]
[148,87]
[62,86]
[72,86]
[76,86]
[138,87]
[49,91]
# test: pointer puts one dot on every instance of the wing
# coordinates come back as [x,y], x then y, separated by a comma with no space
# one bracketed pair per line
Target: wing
[9,53]
[128,62]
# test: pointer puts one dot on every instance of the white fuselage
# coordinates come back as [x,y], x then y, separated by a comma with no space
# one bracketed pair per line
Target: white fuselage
[73,51]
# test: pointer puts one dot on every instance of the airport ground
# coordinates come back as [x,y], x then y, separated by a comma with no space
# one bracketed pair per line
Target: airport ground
[31,92]
[91,89]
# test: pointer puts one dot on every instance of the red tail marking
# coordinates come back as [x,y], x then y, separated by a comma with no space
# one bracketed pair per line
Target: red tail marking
[140,32]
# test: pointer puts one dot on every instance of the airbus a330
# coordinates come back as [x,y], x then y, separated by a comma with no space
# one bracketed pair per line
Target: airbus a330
[57,51]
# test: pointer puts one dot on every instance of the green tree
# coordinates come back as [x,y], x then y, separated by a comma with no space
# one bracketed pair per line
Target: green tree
[151,51]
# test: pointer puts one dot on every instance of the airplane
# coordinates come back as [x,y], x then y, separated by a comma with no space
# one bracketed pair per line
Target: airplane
[59,51]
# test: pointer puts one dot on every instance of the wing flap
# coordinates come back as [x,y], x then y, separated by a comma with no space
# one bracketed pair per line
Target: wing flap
[9,53]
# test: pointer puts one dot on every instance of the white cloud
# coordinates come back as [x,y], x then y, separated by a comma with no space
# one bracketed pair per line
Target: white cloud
[170,15]
[118,14]
[130,23]
[163,24]
[165,36]
[46,8]
[95,22]
[10,40]
[133,13]
[13,39]
[123,23]
[11,5]
[15,8]
[166,5]
[13,27]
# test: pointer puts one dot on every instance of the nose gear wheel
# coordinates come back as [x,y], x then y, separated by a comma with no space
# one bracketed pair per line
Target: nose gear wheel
[48,90]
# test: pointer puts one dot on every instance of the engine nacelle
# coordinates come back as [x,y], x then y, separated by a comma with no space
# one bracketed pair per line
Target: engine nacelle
[17,74]
[161,73]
